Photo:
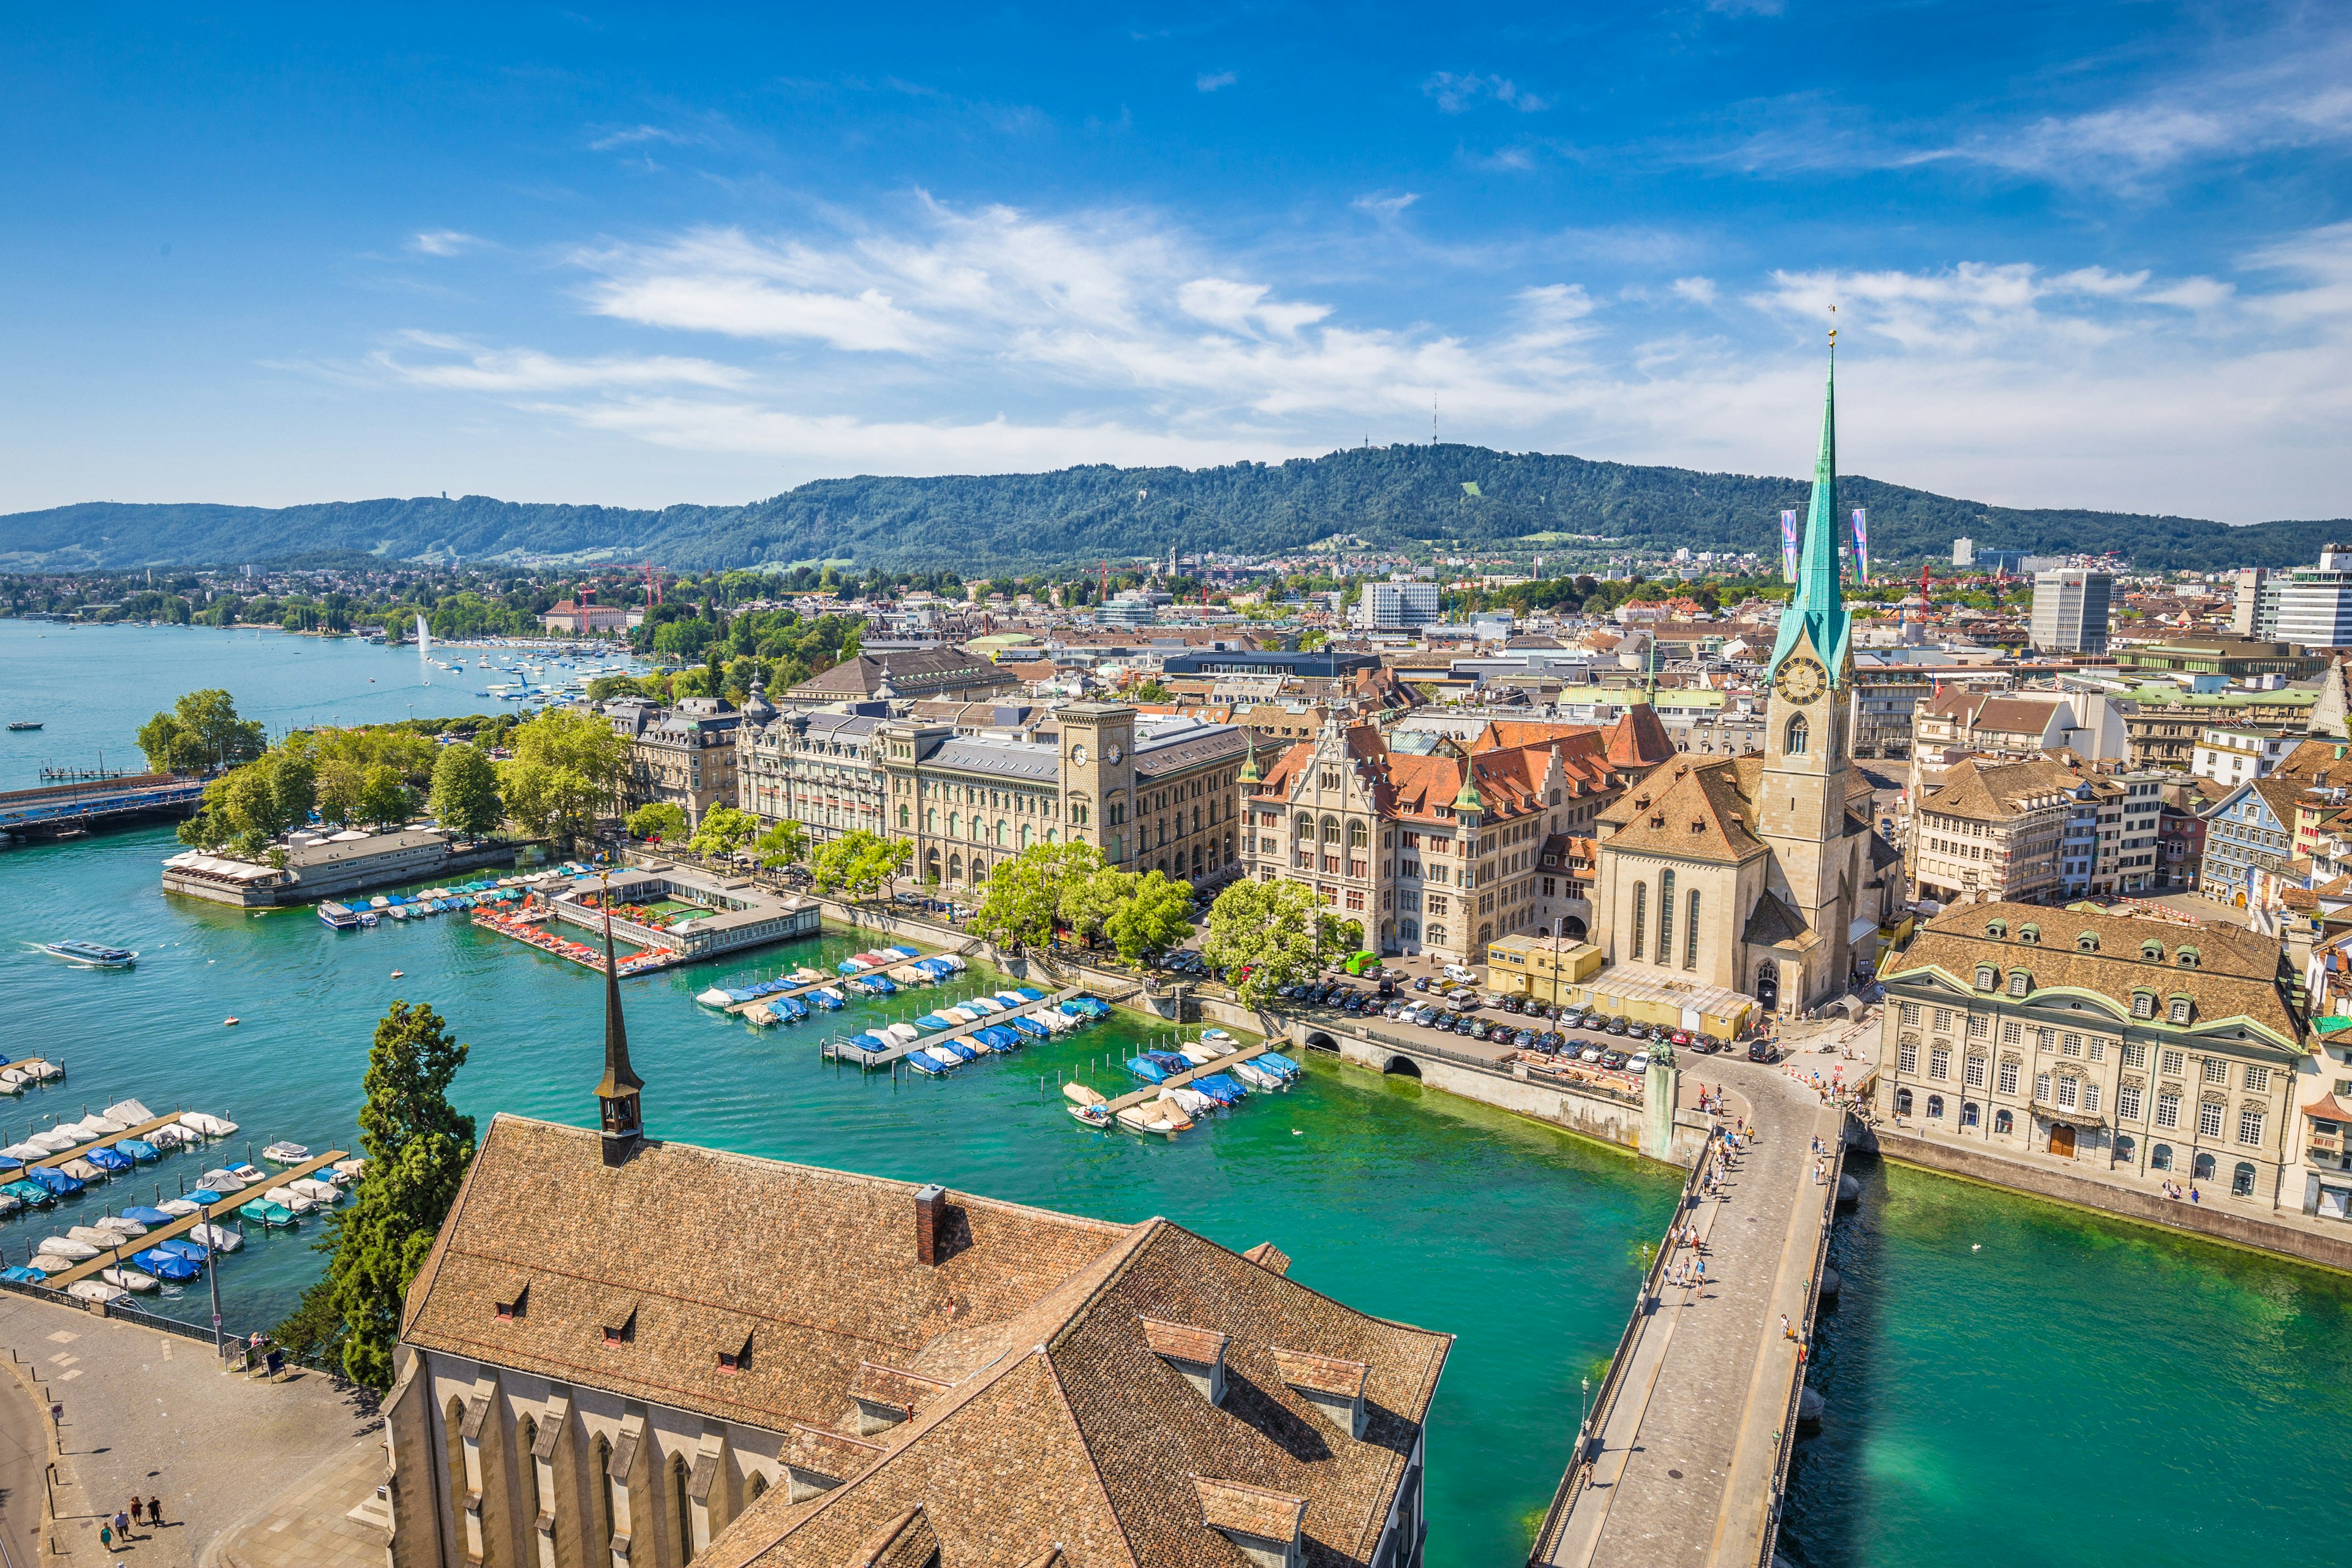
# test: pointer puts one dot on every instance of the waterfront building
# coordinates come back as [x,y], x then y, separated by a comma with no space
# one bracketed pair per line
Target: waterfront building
[1760,874]
[1152,795]
[685,755]
[2070,610]
[568,616]
[328,864]
[1436,852]
[2151,1047]
[623,1350]
[811,766]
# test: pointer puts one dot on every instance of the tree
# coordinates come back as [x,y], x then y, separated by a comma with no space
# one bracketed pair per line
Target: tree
[466,792]
[782,844]
[1026,894]
[567,767]
[858,863]
[1271,927]
[1156,915]
[341,784]
[417,1149]
[724,830]
[660,819]
[1088,901]
[383,797]
[201,732]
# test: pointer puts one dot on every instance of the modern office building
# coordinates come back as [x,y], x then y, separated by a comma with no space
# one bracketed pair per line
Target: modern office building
[1964,552]
[2070,610]
[2314,603]
[1398,604]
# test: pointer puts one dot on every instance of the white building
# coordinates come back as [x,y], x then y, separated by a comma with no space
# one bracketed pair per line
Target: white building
[1964,551]
[2314,603]
[2070,610]
[1397,604]
[2232,756]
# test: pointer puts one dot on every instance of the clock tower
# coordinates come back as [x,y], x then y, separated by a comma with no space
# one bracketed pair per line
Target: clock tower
[1098,776]
[1802,790]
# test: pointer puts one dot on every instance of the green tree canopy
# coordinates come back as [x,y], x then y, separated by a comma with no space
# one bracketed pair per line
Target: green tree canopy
[858,863]
[784,843]
[1025,896]
[657,820]
[417,1149]
[1156,915]
[1269,926]
[724,830]
[567,768]
[384,796]
[466,792]
[201,730]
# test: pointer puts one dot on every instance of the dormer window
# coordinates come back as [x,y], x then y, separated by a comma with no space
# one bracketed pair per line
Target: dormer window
[2142,1004]
[1987,977]
[1197,1356]
[511,1302]
[2029,933]
[2186,958]
[2018,981]
[734,1354]
[1997,927]
[620,1323]
[2088,942]
[2181,1009]
[2151,951]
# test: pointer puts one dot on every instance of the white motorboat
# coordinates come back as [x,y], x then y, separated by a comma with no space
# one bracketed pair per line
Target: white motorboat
[130,1112]
[171,1135]
[52,1262]
[26,1152]
[1199,1056]
[128,1279]
[1191,1101]
[65,1246]
[324,1192]
[209,1125]
[182,1207]
[298,1203]
[1254,1077]
[1220,1038]
[82,1171]
[97,1291]
[350,1170]
[120,1225]
[715,997]
[104,1126]
[220,1239]
[95,1237]
[283,1154]
[221,1182]
[251,1175]
[55,1141]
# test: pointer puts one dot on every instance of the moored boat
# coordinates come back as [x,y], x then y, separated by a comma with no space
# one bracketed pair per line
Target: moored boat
[262,1211]
[128,1279]
[285,1154]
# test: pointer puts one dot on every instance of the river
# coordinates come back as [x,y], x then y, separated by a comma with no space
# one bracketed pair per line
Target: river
[2009,1381]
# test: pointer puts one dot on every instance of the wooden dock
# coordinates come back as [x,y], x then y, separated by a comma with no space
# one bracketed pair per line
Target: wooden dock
[842,1053]
[82,1151]
[736,1009]
[226,1208]
[1177,1081]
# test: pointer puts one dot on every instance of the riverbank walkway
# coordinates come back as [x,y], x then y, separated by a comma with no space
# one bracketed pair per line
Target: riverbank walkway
[1689,1452]
[839,1049]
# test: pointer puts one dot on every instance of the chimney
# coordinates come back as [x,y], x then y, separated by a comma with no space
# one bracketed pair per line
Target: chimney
[930,1223]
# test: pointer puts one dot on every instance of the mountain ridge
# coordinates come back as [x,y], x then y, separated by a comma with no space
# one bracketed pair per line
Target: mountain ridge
[1395,496]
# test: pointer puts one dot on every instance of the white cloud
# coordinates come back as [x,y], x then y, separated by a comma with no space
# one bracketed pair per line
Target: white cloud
[997,339]
[639,135]
[442,242]
[1208,81]
[1456,93]
[1385,207]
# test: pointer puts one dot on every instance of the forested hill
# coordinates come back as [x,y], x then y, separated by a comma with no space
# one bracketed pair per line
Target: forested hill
[1391,495]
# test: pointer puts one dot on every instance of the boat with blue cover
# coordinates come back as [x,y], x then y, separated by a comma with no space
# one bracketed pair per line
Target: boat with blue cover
[203,1196]
[827,998]
[262,1211]
[165,1265]
[57,1181]
[1034,1029]
[1147,1069]
[1219,1088]
[145,1216]
[932,1021]
[193,1251]
[32,1195]
[999,1037]
[932,1064]
[137,1150]
[111,1162]
[17,1274]
[1276,1063]
[962,1050]
[790,1009]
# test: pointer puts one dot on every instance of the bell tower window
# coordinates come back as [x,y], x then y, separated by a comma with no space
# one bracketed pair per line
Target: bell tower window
[1798,736]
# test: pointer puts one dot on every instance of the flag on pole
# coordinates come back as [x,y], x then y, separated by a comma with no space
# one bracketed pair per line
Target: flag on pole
[1862,544]
[1788,547]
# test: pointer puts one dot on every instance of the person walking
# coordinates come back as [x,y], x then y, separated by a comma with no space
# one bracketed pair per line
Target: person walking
[122,1525]
[154,1510]
[138,1506]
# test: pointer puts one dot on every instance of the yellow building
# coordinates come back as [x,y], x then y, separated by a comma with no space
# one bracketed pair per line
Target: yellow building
[1571,975]
[1543,967]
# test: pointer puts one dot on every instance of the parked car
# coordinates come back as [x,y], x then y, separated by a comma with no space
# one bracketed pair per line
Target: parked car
[1638,1063]
[1479,1030]
[1679,1040]
[1551,1041]
[1612,1060]
[1525,1039]
[1618,1026]
[1589,1053]
[1761,1051]
[1464,1025]
[1421,982]
[1460,976]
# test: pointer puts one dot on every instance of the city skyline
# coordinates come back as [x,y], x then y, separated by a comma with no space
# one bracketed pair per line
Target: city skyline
[2091,259]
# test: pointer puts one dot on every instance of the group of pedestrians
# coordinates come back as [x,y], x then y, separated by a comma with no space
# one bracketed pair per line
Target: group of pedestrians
[126,1520]
[1681,1271]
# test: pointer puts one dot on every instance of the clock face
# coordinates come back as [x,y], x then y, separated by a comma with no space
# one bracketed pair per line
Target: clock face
[1115,754]
[1801,680]
[1079,754]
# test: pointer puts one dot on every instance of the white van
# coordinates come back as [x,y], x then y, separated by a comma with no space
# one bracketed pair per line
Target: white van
[1455,972]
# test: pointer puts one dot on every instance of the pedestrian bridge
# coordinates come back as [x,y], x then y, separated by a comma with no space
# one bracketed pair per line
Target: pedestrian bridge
[62,808]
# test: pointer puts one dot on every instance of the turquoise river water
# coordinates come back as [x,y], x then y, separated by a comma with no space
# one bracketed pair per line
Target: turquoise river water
[2009,1381]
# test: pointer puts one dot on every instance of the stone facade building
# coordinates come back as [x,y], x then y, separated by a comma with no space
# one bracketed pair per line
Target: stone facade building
[908,673]
[685,755]
[625,1352]
[2153,1048]
[1991,830]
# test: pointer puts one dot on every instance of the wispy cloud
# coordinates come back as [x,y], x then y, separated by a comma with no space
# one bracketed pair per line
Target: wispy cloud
[1208,81]
[1383,205]
[1457,92]
[442,242]
[611,138]
[437,360]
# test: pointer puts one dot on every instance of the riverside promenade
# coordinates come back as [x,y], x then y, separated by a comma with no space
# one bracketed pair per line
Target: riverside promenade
[1688,1448]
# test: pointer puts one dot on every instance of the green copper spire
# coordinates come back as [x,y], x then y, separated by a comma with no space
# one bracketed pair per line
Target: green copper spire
[1818,608]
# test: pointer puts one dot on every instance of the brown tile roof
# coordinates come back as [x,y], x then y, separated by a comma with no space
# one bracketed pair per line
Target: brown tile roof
[1182,1341]
[2237,974]
[1251,1511]
[1981,791]
[1690,808]
[1105,1437]
[906,1542]
[1267,1255]
[895,1386]
[1638,739]
[1323,1374]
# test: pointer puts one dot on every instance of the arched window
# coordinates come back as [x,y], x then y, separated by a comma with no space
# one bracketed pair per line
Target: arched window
[602,1457]
[1024,835]
[1902,1102]
[2124,1147]
[680,1478]
[1690,936]
[1331,831]
[2161,1157]
[955,825]
[2241,1181]
[1485,934]
[757,1490]
[1968,1113]
[2202,1169]
[1935,1105]
[2003,1122]
[1640,914]
[1359,836]
[1799,735]
[1665,917]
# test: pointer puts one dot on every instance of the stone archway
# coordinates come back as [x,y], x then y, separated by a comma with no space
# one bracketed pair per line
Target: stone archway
[1571,928]
[1768,986]
[1402,1067]
[1319,1041]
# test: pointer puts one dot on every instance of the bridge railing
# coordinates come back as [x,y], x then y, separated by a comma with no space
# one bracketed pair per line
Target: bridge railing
[1580,1463]
[1797,1385]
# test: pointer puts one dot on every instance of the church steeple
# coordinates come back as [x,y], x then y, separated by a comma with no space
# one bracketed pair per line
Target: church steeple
[1819,608]
[619,1117]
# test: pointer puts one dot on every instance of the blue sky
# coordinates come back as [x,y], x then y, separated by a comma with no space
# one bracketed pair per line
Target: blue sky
[2083,254]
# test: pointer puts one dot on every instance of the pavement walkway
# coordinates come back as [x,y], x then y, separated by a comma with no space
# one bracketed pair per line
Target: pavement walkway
[1688,1451]
[155,1415]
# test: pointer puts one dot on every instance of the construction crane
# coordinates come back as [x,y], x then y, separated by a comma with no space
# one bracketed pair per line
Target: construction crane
[652,582]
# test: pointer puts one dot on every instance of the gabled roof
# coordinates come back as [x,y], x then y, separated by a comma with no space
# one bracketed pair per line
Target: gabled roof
[1689,808]
[1772,920]
[1638,739]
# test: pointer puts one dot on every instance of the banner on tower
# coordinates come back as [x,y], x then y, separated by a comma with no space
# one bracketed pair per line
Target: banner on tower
[1862,544]
[1788,547]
